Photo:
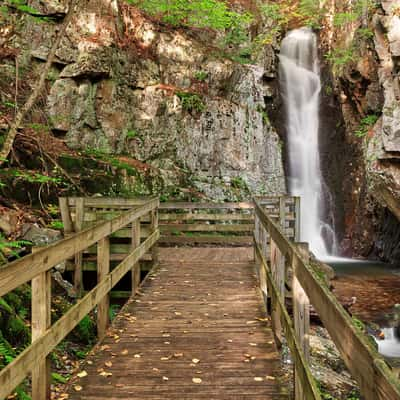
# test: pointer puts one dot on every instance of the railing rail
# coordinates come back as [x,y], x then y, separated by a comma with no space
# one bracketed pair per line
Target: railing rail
[36,268]
[375,378]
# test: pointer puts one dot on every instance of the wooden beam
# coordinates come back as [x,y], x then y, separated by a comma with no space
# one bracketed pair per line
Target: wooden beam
[23,270]
[278,275]
[375,378]
[41,321]
[301,314]
[78,276]
[135,242]
[153,227]
[310,389]
[12,375]
[103,269]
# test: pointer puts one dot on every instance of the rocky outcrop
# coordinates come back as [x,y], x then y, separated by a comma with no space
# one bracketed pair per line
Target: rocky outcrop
[125,85]
[367,88]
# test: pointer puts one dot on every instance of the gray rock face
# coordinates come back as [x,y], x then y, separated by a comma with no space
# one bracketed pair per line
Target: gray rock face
[113,96]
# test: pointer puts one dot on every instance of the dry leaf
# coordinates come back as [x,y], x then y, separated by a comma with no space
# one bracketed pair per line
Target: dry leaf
[105,374]
[165,378]
[269,377]
[82,374]
[195,360]
[108,364]
[137,356]
[258,378]
[196,380]
[77,388]
[124,352]
[177,355]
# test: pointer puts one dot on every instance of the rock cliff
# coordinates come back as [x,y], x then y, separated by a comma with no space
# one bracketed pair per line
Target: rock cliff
[125,84]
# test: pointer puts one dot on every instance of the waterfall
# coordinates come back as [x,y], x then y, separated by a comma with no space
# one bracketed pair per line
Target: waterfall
[300,83]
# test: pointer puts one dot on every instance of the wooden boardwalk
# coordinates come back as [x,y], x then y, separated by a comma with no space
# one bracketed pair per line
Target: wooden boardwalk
[197,330]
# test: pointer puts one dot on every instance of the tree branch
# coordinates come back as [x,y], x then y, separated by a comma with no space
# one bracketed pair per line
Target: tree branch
[8,144]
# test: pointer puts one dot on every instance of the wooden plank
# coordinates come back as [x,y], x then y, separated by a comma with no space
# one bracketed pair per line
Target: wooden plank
[171,328]
[206,228]
[237,240]
[103,269]
[41,321]
[78,225]
[135,242]
[191,216]
[12,375]
[303,372]
[301,314]
[201,206]
[109,202]
[20,271]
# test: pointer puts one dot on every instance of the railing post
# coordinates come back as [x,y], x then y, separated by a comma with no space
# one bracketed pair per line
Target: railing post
[103,268]
[301,313]
[154,227]
[41,321]
[78,281]
[297,219]
[278,275]
[135,272]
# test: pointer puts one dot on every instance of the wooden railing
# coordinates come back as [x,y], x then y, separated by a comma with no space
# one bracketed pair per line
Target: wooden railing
[274,252]
[36,268]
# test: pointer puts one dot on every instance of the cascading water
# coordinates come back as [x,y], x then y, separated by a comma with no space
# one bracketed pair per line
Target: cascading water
[301,85]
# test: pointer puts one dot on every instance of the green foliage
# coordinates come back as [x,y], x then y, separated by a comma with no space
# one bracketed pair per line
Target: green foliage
[191,102]
[7,353]
[11,247]
[57,378]
[201,76]
[365,124]
[340,57]
[238,182]
[365,33]
[263,114]
[358,323]
[132,133]
[34,177]
[212,14]
[311,12]
[56,224]
[86,330]
[113,311]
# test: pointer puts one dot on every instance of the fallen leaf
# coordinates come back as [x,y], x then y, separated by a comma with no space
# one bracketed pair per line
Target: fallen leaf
[105,374]
[196,380]
[253,344]
[269,377]
[82,374]
[77,388]
[177,355]
[195,360]
[124,352]
[137,356]
[258,378]
[108,364]
[165,378]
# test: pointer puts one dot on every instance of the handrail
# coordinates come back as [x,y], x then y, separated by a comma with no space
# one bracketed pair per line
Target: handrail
[374,376]
[37,266]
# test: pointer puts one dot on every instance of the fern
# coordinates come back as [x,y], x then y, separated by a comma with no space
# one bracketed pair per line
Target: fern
[7,353]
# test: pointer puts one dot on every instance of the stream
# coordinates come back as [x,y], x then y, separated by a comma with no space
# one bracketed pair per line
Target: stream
[375,287]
